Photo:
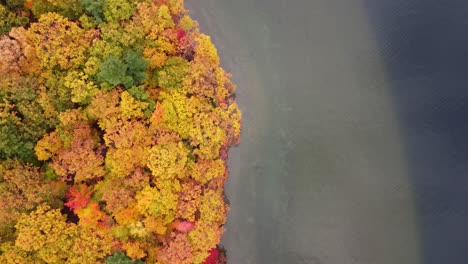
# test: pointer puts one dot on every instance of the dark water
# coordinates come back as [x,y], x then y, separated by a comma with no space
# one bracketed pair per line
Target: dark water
[425,45]
[355,144]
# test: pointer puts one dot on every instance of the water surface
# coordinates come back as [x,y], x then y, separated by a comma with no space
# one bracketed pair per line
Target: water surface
[352,149]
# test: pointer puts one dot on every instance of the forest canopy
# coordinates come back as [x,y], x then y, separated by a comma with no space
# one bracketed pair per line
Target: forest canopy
[115,123]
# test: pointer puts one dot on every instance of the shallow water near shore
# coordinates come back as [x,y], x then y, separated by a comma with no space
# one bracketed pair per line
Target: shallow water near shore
[353,147]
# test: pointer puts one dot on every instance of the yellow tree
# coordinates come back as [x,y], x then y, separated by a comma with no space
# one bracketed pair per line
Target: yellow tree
[58,42]
[128,145]
[23,187]
[168,161]
[46,234]
[74,148]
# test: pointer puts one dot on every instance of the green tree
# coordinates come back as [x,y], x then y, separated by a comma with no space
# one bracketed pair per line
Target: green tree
[173,73]
[95,9]
[71,9]
[127,71]
[121,258]
[10,19]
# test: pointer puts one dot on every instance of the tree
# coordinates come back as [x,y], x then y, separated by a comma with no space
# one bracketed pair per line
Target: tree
[128,71]
[128,145]
[58,42]
[10,19]
[72,9]
[189,200]
[121,258]
[158,202]
[22,121]
[203,238]
[168,161]
[115,124]
[177,250]
[95,9]
[11,58]
[173,73]
[22,188]
[117,10]
[46,234]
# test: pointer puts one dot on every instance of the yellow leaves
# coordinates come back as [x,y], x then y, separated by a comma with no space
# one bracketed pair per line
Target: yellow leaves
[90,215]
[13,255]
[157,202]
[120,232]
[82,89]
[177,7]
[232,118]
[137,230]
[131,108]
[44,232]
[105,109]
[168,161]
[164,17]
[163,44]
[48,146]
[154,19]
[177,115]
[126,35]
[45,102]
[71,118]
[212,208]
[156,225]
[42,226]
[153,173]
[203,238]
[58,41]
[206,51]
[189,200]
[22,188]
[91,67]
[205,170]
[186,23]
[155,57]
[90,246]
[128,147]
[102,49]
[116,10]
[128,135]
[127,216]
[134,250]
[146,13]
[73,148]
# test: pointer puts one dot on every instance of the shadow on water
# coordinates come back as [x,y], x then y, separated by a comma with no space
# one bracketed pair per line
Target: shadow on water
[425,48]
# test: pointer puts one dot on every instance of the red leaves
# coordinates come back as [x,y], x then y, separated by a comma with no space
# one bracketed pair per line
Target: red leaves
[88,211]
[213,257]
[183,226]
[181,34]
[78,197]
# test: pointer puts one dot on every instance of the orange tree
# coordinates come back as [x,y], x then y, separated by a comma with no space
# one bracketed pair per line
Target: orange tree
[115,121]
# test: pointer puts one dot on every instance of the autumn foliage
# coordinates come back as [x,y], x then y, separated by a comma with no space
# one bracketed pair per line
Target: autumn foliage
[115,121]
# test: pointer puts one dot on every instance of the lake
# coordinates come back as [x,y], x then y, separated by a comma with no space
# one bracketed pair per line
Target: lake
[354,146]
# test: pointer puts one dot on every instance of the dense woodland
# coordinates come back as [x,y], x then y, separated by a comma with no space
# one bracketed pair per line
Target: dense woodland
[115,122]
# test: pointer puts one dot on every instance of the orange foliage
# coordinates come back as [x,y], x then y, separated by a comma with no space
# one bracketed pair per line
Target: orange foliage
[78,197]
[177,250]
